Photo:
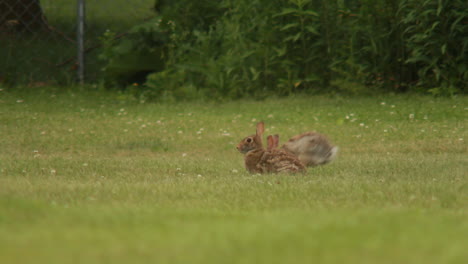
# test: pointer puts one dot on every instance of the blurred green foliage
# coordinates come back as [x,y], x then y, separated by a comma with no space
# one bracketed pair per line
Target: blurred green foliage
[254,48]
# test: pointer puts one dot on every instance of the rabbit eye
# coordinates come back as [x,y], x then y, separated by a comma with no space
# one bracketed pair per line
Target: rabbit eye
[249,140]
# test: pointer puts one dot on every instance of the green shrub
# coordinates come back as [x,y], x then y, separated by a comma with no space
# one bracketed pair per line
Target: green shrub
[129,59]
[436,36]
[256,48]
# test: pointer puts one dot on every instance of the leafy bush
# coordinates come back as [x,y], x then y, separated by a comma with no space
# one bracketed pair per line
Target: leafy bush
[436,35]
[255,48]
[129,59]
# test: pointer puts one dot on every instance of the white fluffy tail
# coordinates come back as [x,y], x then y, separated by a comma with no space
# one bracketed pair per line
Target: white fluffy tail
[312,149]
[333,153]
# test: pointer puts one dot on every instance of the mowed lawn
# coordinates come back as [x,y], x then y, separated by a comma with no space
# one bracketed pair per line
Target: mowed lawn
[92,177]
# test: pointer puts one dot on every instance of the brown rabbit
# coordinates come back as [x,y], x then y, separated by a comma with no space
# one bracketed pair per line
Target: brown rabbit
[311,148]
[259,160]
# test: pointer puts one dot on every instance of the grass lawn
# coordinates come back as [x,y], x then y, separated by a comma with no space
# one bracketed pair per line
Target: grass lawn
[100,178]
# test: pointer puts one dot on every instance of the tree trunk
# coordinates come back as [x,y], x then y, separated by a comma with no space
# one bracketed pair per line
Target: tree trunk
[21,15]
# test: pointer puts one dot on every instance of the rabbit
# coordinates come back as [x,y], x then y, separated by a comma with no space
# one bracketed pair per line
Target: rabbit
[311,148]
[272,160]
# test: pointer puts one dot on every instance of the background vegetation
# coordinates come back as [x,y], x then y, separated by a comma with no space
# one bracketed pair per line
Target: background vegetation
[102,178]
[232,49]
[238,48]
[48,57]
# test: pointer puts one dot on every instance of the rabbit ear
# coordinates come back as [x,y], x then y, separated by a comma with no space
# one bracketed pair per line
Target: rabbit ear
[260,129]
[275,141]
[270,142]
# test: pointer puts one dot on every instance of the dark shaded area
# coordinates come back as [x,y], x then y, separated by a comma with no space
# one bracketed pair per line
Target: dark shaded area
[21,16]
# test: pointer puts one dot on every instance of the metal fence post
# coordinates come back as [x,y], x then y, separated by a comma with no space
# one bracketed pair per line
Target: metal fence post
[80,40]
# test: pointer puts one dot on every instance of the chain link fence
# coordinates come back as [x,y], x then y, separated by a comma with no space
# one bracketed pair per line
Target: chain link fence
[39,39]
